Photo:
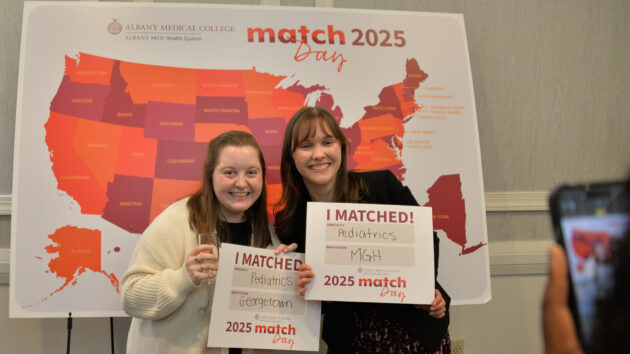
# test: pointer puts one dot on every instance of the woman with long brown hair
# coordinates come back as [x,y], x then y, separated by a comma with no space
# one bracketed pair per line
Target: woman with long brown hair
[165,287]
[314,168]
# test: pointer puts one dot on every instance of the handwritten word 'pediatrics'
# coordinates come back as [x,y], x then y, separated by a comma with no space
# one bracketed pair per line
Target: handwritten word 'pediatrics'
[269,262]
[270,280]
[399,217]
[365,234]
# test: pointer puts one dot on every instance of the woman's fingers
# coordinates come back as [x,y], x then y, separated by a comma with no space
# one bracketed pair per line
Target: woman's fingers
[201,264]
[301,284]
[282,248]
[424,307]
[438,301]
[438,313]
[305,276]
[438,306]
[304,267]
[437,309]
[303,281]
[205,257]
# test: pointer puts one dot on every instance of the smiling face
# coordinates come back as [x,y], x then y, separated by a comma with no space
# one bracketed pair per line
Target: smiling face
[317,158]
[237,181]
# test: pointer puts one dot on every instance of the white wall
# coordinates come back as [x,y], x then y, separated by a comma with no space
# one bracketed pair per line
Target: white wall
[511,321]
[89,335]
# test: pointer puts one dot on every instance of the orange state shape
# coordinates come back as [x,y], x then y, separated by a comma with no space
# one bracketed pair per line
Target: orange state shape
[204,132]
[90,69]
[167,191]
[97,144]
[159,83]
[259,89]
[378,127]
[220,83]
[375,155]
[73,176]
[406,108]
[76,248]
[136,154]
[287,102]
[274,191]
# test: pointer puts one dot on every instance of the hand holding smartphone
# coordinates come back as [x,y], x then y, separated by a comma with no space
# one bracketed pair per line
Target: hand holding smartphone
[588,220]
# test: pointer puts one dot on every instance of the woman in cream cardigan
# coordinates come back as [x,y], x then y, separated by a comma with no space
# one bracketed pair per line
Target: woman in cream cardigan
[167,288]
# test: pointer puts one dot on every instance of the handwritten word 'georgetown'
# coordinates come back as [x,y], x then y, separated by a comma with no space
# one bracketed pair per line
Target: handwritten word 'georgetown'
[399,217]
[264,303]
[270,262]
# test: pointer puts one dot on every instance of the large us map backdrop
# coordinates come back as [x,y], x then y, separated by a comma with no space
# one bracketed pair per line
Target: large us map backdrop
[116,104]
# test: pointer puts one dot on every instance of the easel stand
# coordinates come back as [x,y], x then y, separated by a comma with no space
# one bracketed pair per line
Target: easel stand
[111,332]
[69,332]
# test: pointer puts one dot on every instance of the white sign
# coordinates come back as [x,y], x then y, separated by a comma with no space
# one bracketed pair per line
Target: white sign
[370,253]
[256,303]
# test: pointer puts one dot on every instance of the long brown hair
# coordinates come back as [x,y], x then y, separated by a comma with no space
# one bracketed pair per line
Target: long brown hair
[302,125]
[203,205]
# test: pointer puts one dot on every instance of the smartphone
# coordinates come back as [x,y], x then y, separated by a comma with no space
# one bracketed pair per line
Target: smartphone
[588,221]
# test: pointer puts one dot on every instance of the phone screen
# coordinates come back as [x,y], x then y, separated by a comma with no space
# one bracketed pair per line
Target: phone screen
[590,220]
[588,241]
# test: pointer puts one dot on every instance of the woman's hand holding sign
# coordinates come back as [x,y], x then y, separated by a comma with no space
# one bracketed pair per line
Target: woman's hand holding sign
[304,277]
[437,309]
[282,248]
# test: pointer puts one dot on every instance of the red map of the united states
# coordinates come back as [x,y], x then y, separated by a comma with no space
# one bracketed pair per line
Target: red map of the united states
[128,139]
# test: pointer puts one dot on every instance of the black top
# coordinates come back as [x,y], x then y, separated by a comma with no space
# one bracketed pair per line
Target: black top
[240,233]
[382,188]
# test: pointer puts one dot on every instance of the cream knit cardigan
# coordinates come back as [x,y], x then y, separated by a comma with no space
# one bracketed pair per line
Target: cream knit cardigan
[170,314]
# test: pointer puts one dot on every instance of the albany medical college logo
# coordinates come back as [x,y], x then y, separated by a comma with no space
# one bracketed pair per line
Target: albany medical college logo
[115,27]
[147,31]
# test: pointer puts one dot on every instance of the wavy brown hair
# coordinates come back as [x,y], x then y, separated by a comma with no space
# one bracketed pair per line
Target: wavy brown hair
[304,124]
[204,207]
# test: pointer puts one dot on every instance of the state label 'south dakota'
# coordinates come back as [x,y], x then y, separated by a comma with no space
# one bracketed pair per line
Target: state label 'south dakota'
[370,253]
